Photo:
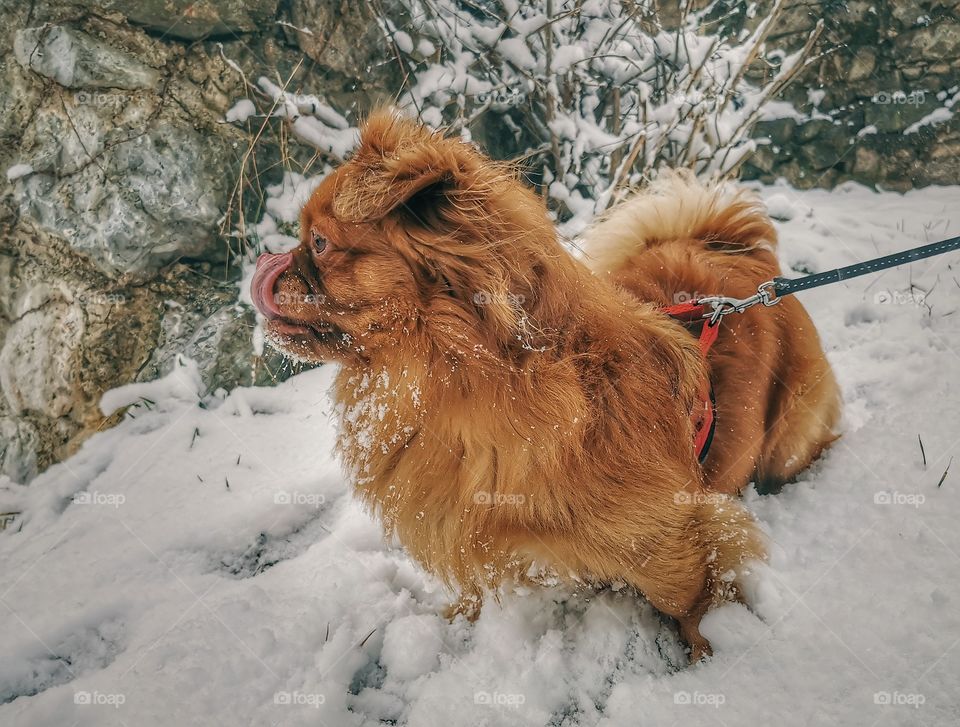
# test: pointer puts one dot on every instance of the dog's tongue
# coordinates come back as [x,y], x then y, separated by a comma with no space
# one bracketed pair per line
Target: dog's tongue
[269,268]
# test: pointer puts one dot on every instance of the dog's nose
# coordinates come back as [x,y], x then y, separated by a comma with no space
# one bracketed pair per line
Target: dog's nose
[269,268]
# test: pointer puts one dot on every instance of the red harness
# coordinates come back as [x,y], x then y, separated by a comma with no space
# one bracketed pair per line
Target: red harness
[704,415]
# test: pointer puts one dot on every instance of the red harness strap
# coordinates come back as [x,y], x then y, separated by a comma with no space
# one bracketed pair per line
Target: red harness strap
[704,415]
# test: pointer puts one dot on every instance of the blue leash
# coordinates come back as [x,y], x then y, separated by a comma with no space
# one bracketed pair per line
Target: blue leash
[770,292]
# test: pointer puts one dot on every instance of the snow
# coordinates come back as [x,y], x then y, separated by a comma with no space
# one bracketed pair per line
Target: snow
[185,386]
[780,206]
[816,96]
[403,41]
[411,646]
[773,110]
[17,171]
[285,200]
[336,142]
[682,100]
[204,562]
[315,122]
[937,116]
[241,111]
[516,52]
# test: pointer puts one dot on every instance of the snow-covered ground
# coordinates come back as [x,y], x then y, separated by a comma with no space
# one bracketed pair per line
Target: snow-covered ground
[205,563]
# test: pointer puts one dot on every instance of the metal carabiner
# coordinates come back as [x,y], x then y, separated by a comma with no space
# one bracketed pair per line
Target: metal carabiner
[722,304]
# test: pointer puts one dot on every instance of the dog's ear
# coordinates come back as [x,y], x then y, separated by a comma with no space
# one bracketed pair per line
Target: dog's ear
[397,161]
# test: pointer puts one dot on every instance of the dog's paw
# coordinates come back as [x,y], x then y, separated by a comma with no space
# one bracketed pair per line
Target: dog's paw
[468,606]
[700,650]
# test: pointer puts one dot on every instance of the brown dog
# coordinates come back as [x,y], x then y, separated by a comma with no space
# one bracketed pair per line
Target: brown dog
[503,406]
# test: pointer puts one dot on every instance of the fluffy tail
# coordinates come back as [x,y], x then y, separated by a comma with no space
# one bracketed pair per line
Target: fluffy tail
[735,542]
[678,207]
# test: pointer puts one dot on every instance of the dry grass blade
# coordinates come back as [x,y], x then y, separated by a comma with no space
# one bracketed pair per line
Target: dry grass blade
[366,638]
[944,475]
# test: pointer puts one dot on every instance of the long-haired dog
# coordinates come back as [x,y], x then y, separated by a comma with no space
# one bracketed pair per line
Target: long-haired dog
[504,405]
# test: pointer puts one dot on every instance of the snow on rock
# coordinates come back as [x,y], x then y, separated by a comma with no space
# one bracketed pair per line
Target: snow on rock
[204,561]
[241,111]
[18,170]
[773,110]
[938,115]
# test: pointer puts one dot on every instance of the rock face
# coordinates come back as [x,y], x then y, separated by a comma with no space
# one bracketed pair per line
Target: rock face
[172,181]
[65,340]
[120,173]
[344,37]
[192,20]
[890,69]
[122,181]
[76,60]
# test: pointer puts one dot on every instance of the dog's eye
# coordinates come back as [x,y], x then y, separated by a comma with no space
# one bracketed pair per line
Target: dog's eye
[319,241]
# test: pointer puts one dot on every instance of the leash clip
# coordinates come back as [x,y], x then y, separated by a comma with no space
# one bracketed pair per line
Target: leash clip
[722,304]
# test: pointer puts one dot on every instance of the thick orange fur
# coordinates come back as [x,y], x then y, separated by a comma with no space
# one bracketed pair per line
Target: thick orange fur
[777,399]
[503,406]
